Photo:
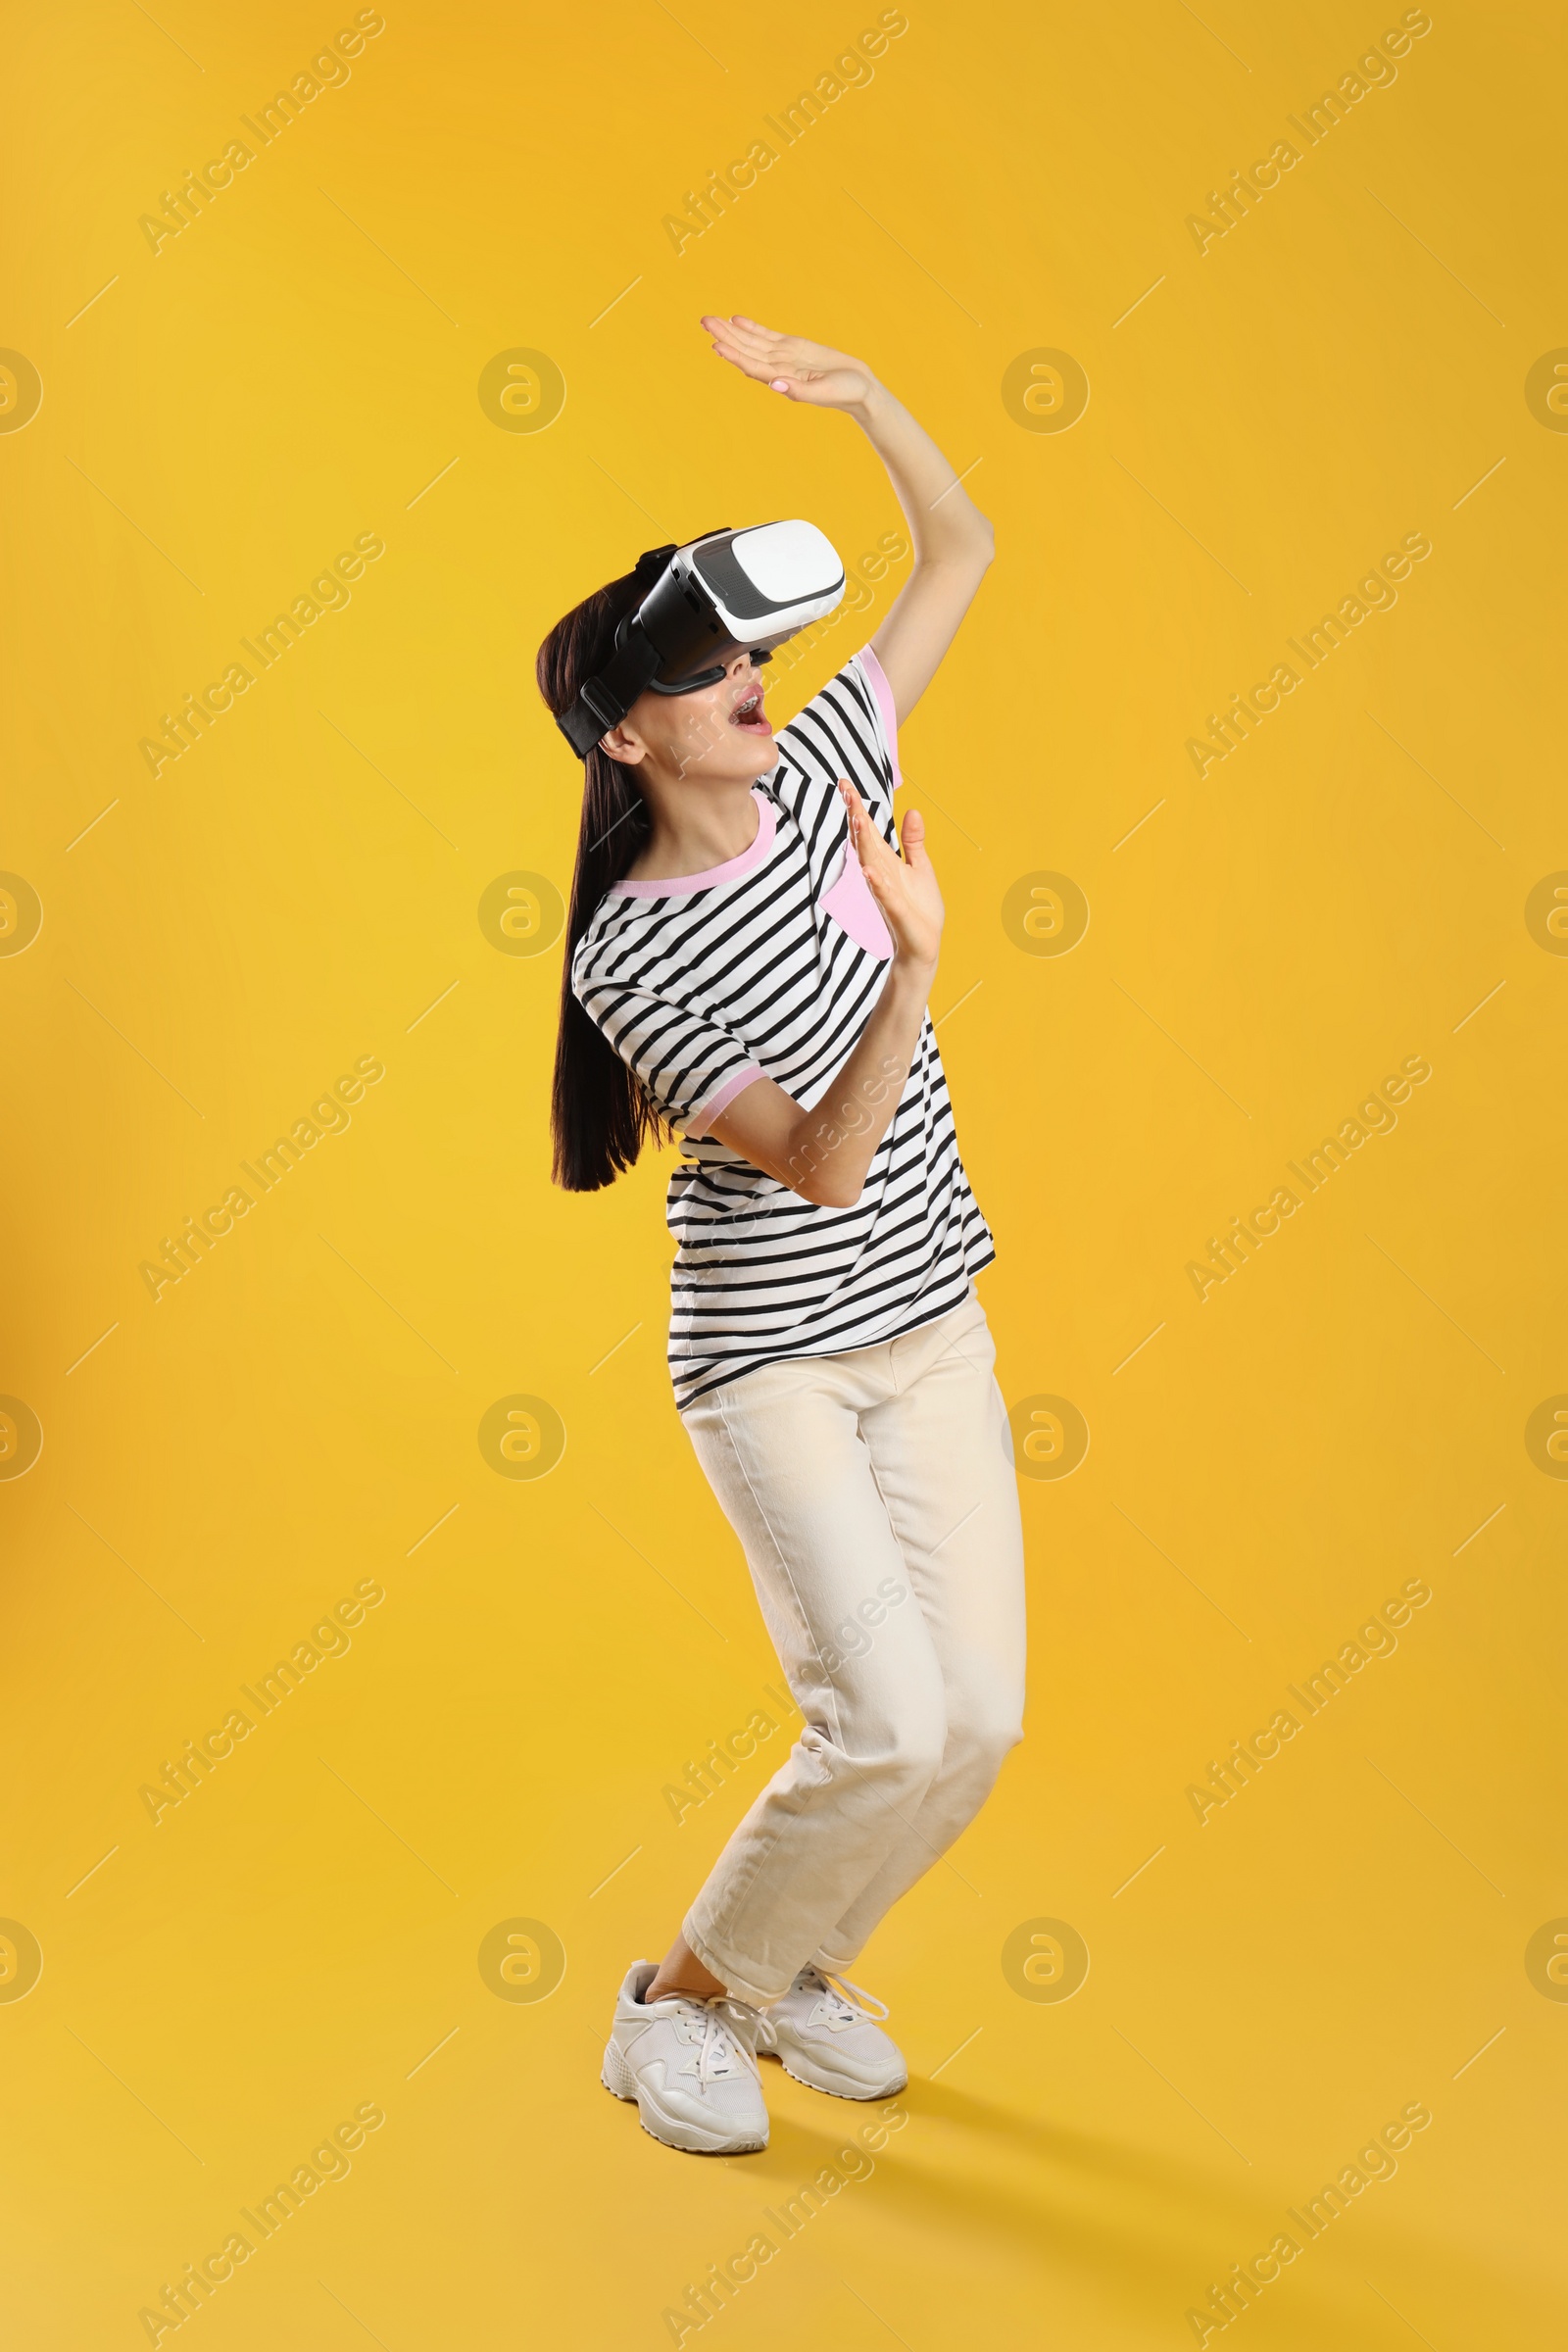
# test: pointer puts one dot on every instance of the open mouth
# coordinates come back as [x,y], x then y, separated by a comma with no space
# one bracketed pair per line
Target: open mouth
[749,715]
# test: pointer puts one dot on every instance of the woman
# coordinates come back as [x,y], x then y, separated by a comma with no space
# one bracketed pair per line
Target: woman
[750,960]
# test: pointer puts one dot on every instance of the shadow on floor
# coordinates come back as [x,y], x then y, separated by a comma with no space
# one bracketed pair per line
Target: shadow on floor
[1142,2234]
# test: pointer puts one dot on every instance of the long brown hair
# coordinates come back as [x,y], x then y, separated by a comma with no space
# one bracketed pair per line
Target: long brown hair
[600,1114]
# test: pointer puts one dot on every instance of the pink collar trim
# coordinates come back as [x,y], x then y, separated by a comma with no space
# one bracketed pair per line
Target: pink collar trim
[674,886]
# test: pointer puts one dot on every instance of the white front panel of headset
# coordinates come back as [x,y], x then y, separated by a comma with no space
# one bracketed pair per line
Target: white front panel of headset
[791,562]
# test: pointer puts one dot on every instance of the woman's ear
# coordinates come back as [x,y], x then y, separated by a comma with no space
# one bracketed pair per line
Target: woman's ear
[627,749]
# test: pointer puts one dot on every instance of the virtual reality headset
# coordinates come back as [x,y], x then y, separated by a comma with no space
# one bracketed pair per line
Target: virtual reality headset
[727,592]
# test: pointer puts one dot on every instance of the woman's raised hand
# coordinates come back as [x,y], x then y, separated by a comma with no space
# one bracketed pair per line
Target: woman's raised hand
[787,363]
[904,888]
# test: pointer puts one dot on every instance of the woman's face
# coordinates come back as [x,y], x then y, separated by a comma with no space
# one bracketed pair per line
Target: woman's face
[720,734]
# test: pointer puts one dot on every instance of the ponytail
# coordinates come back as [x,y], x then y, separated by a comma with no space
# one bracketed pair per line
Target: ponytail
[601,1114]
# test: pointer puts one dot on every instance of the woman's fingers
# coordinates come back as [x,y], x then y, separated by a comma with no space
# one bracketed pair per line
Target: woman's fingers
[863,833]
[735,323]
[756,349]
[727,350]
[760,370]
[744,361]
[878,863]
[742,337]
[904,888]
[751,330]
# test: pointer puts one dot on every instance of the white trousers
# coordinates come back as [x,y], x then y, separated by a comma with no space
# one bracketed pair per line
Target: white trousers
[874,1494]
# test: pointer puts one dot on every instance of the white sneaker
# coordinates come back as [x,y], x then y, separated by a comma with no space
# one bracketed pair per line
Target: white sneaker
[689,2066]
[834,2043]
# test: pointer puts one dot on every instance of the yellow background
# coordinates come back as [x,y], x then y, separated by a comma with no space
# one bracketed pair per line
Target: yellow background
[292,370]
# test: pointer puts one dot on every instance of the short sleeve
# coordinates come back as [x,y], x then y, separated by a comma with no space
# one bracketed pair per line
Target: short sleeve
[691,1066]
[849,729]
[887,714]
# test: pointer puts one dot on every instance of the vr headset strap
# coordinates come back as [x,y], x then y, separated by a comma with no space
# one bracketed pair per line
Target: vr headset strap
[603,702]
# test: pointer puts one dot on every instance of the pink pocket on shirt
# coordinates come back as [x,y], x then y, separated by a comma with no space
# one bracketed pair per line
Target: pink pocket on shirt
[850,905]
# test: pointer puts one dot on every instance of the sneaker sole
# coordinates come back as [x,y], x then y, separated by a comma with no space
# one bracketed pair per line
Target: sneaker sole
[673,2132]
[831,2091]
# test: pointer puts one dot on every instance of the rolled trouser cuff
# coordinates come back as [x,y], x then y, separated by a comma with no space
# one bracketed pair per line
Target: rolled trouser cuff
[731,1972]
[829,1966]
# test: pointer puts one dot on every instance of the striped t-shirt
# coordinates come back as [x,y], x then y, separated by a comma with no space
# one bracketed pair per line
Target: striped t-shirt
[770,964]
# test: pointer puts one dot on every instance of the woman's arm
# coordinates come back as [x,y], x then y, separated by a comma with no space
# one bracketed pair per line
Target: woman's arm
[952,540]
[823,1155]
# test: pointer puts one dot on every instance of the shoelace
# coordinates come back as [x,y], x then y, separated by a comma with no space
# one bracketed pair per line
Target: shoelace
[725,2023]
[853,1999]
